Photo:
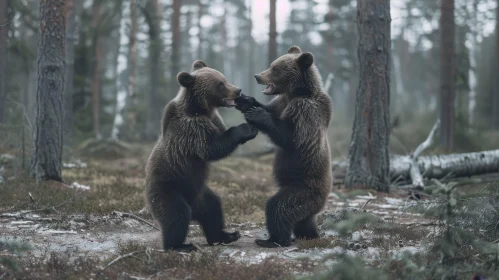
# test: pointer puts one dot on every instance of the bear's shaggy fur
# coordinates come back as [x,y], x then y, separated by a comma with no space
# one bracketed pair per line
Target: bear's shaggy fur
[193,134]
[296,120]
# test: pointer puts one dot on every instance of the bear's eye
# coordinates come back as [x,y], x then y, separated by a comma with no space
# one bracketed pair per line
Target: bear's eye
[221,85]
[275,68]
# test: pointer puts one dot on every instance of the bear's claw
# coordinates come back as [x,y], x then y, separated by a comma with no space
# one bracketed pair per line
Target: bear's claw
[226,238]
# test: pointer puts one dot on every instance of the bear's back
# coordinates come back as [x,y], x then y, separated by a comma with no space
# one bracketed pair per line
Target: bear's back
[176,156]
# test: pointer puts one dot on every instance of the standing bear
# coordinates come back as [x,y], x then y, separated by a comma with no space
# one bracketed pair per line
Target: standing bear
[193,134]
[297,121]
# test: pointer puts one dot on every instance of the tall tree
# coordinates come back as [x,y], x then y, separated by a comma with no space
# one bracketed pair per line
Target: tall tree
[447,73]
[97,10]
[495,108]
[71,35]
[272,32]
[46,160]
[153,16]
[4,37]
[175,54]
[368,154]
[472,72]
[251,59]
[200,29]
[132,66]
[121,77]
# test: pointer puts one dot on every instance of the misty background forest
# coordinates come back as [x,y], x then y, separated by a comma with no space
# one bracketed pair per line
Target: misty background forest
[414,136]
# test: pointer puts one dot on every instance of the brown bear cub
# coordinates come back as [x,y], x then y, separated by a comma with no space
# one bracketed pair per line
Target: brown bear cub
[296,120]
[193,134]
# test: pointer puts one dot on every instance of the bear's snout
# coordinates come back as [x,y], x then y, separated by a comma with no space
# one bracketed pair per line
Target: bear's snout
[258,78]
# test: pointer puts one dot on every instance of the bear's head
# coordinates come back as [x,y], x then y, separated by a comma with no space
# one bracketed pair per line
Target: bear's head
[207,87]
[293,72]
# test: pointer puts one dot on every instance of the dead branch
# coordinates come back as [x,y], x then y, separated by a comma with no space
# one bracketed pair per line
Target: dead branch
[120,258]
[48,208]
[428,142]
[130,215]
[417,178]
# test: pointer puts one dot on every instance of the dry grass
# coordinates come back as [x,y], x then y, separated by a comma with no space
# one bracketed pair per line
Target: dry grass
[321,243]
[147,263]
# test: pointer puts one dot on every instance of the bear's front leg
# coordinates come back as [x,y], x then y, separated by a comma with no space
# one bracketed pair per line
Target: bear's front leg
[278,130]
[224,144]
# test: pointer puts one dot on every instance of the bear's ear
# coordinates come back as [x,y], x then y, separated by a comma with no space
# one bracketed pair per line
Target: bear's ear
[185,79]
[198,64]
[294,49]
[305,60]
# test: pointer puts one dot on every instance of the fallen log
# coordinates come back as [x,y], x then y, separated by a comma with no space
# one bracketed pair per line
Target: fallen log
[440,166]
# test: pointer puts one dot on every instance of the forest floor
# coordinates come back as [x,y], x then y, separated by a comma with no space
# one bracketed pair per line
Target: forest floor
[76,233]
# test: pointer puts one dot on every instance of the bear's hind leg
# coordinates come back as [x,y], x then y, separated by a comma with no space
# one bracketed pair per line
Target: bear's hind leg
[208,212]
[306,229]
[174,215]
[284,211]
[280,216]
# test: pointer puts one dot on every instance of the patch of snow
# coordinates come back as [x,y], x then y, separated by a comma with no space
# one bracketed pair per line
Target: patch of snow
[21,222]
[51,231]
[394,201]
[387,206]
[2,180]
[411,250]
[362,234]
[75,164]
[76,185]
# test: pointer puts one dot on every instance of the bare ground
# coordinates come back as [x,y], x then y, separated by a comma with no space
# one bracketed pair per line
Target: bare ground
[87,225]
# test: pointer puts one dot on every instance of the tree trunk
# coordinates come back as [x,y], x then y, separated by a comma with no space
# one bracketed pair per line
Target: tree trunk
[223,41]
[495,106]
[368,154]
[200,28]
[251,47]
[447,73]
[175,56]
[457,165]
[4,37]
[71,10]
[121,78]
[98,68]
[155,46]
[132,68]
[46,160]
[472,73]
[272,32]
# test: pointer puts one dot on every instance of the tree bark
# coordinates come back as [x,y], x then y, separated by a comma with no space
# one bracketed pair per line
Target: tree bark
[46,160]
[368,154]
[495,106]
[175,55]
[121,78]
[472,73]
[71,10]
[200,28]
[4,37]
[98,68]
[155,46]
[447,73]
[129,112]
[251,47]
[272,32]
